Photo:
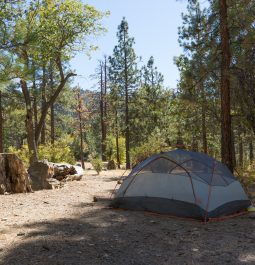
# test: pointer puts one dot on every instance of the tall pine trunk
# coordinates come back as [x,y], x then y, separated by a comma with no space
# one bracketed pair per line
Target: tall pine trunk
[240,150]
[52,124]
[251,154]
[52,110]
[43,132]
[203,110]
[80,128]
[226,137]
[233,148]
[105,108]
[117,140]
[1,125]
[102,112]
[126,108]
[35,101]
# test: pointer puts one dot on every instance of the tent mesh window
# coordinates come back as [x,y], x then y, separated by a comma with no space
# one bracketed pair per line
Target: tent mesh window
[211,172]
[164,166]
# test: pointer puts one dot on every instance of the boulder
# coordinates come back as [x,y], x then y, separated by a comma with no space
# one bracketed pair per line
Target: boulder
[47,175]
[40,172]
[13,175]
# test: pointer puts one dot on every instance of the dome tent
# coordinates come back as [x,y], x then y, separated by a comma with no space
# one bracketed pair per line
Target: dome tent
[182,183]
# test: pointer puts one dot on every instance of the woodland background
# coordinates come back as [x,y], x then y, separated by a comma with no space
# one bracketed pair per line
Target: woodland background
[129,114]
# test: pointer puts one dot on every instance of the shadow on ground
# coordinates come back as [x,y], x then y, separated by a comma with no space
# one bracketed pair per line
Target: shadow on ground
[103,236]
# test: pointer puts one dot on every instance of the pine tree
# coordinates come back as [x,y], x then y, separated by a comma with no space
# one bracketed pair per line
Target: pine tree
[124,75]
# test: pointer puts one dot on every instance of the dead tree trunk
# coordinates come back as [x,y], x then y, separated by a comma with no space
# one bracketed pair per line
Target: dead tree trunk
[226,138]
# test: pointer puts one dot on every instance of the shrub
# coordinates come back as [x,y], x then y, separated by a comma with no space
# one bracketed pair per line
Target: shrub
[22,153]
[59,152]
[97,164]
[111,149]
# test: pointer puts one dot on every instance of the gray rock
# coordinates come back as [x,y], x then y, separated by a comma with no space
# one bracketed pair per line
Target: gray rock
[40,172]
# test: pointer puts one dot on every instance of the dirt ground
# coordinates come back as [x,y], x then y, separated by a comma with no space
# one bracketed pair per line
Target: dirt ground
[67,227]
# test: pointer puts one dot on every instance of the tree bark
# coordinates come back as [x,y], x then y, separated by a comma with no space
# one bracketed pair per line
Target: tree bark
[52,125]
[105,90]
[43,132]
[35,111]
[1,125]
[105,106]
[203,110]
[29,123]
[233,150]
[35,100]
[251,154]
[117,140]
[80,129]
[52,110]
[240,151]
[102,118]
[127,142]
[226,138]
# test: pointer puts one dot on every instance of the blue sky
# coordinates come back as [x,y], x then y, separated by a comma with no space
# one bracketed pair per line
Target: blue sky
[153,24]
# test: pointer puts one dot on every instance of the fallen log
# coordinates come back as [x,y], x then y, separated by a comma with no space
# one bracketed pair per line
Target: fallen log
[62,170]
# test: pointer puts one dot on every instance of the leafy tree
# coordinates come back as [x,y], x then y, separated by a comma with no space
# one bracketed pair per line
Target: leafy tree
[38,35]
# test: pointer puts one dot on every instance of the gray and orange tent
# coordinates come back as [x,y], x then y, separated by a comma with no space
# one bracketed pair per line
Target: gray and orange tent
[182,183]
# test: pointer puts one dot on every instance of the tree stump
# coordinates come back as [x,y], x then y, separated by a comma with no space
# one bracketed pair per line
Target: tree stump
[13,175]
[111,165]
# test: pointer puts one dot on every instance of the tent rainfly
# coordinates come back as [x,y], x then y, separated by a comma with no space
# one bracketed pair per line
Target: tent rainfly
[182,183]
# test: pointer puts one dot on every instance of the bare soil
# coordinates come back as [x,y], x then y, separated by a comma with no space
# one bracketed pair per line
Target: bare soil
[68,226]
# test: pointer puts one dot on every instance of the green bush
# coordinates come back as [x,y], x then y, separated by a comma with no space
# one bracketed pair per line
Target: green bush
[111,149]
[22,153]
[59,152]
[97,164]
